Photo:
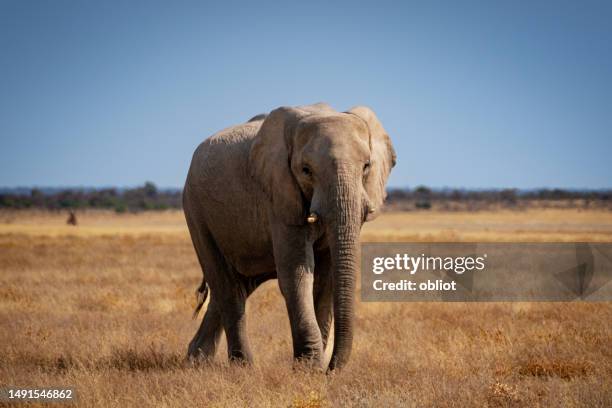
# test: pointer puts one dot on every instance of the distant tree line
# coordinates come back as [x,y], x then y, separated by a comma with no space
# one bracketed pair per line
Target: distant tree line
[149,197]
[146,197]
[459,199]
[423,192]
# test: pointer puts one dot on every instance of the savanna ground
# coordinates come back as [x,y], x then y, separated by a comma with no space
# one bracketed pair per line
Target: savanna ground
[106,307]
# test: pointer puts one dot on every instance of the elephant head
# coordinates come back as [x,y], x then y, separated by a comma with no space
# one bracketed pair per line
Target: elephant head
[313,159]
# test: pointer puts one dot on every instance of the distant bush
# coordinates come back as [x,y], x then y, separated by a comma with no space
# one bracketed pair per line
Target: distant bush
[423,205]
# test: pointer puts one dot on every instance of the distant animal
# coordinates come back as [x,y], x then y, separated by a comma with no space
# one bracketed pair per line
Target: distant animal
[72,219]
[284,196]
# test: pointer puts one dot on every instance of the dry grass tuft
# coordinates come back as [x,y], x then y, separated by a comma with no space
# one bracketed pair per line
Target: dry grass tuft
[137,360]
[565,369]
[502,395]
[313,400]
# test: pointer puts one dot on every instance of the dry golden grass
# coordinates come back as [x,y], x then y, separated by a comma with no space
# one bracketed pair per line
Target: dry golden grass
[106,307]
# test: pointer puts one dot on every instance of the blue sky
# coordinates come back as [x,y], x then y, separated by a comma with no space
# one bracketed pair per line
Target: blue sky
[473,94]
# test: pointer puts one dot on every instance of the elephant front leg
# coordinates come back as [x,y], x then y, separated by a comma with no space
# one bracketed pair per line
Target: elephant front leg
[295,268]
[307,342]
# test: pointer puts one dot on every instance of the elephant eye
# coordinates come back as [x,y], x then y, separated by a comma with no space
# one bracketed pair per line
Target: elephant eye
[306,170]
[366,167]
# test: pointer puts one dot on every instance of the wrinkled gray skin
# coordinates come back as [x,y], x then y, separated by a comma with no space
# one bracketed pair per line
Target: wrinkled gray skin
[248,193]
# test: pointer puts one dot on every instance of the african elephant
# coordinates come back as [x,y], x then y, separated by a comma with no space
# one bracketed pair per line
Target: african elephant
[285,196]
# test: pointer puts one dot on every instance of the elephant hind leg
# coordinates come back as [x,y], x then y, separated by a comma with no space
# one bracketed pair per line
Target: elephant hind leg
[204,343]
[225,300]
[228,294]
[237,289]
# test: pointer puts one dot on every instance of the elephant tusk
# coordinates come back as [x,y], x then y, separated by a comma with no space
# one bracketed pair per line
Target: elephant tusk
[372,210]
[312,218]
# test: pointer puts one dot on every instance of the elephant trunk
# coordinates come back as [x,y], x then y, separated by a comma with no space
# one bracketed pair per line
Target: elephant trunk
[344,225]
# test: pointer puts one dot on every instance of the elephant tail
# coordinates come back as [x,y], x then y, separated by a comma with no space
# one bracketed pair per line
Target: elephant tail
[201,295]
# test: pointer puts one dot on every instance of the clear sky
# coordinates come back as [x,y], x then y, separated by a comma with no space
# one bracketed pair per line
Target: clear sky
[473,94]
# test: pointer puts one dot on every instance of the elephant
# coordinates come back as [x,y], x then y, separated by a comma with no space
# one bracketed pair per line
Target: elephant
[285,195]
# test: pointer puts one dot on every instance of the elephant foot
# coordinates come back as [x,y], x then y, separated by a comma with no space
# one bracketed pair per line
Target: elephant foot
[307,364]
[310,358]
[200,350]
[240,357]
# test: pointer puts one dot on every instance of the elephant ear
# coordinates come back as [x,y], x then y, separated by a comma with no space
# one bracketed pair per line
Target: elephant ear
[382,160]
[269,160]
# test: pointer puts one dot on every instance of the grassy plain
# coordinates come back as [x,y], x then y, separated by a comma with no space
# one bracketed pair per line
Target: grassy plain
[106,307]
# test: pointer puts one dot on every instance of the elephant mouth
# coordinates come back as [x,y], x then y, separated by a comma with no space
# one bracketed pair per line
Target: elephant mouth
[369,210]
